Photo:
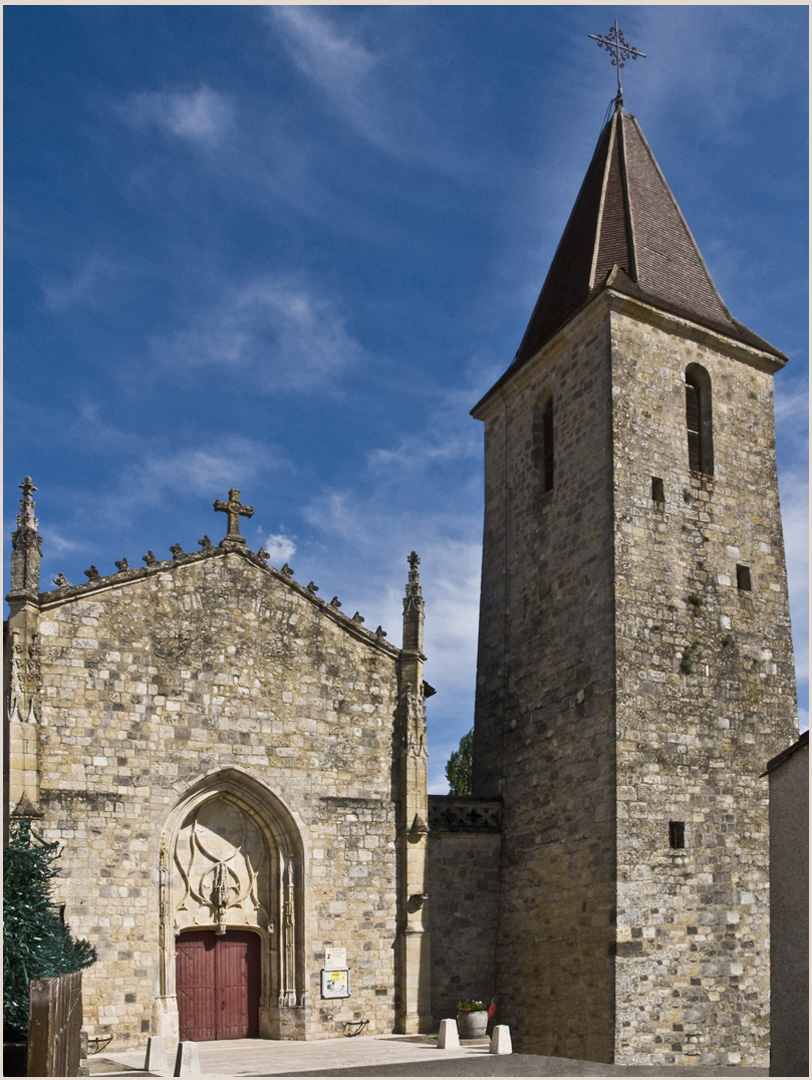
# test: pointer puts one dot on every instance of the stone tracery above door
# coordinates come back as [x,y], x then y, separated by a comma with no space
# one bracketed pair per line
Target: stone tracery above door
[222,869]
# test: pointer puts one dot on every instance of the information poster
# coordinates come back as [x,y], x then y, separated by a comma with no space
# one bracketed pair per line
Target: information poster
[335,983]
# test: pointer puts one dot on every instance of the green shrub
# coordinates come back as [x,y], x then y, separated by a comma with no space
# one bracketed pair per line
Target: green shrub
[458,768]
[36,941]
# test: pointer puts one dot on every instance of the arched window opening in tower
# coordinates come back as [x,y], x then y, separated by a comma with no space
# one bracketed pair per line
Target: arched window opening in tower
[699,419]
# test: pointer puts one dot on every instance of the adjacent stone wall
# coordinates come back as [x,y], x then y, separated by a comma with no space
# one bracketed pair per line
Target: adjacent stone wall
[155,680]
[544,726]
[464,852]
[705,694]
[789,908]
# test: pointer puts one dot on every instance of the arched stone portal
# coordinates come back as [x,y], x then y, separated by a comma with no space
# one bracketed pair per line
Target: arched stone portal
[232,859]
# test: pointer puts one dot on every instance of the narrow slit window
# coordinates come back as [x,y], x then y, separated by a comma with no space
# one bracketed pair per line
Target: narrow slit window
[676,834]
[743,580]
[699,419]
[544,443]
[694,427]
[657,490]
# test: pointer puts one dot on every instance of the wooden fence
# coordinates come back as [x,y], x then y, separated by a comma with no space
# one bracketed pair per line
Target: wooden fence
[55,1025]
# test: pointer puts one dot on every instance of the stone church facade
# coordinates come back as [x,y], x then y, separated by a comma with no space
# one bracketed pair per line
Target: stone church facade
[238,770]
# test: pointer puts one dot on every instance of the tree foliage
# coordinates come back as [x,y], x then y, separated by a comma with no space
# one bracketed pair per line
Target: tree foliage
[36,941]
[458,769]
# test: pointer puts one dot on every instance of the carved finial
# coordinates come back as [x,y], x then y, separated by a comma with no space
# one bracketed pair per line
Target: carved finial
[26,545]
[61,581]
[335,602]
[235,511]
[413,591]
[177,551]
[149,559]
[93,574]
[311,587]
[413,608]
[286,570]
[205,543]
[358,618]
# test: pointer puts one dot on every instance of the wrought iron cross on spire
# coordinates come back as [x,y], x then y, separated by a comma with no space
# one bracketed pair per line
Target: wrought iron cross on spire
[620,50]
[235,511]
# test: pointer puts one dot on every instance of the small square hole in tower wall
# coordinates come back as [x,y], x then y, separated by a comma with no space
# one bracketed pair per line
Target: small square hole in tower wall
[676,834]
[743,578]
[657,490]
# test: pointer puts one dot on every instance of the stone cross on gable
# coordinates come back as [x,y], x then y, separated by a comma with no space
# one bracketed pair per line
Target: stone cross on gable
[235,511]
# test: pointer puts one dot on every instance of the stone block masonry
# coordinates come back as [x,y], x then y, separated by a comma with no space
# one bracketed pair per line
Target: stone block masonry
[705,692]
[635,671]
[544,731]
[215,750]
[463,874]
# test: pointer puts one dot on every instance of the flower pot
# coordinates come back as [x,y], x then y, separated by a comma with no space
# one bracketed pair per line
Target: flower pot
[472,1025]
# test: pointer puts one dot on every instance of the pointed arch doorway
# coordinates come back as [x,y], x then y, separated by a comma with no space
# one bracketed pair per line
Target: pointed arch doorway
[232,915]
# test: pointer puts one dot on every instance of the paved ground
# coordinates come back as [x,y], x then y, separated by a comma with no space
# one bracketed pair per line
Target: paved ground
[384,1055]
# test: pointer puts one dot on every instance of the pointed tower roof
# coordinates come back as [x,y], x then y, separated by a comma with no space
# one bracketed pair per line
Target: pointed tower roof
[627,232]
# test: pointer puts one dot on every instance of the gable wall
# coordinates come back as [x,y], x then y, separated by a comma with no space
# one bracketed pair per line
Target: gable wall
[216,665]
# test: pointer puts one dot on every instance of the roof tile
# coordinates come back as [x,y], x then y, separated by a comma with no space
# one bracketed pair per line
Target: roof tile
[626,216]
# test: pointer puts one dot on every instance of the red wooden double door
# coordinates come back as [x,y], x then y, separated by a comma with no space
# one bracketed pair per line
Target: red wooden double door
[218,985]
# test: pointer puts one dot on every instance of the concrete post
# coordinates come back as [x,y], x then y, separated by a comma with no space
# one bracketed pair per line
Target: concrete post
[500,1040]
[448,1038]
[187,1059]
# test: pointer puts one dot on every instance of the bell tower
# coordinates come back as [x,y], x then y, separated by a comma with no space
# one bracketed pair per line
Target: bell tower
[635,668]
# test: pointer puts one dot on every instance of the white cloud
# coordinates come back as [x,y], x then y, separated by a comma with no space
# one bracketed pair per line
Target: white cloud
[280,548]
[199,116]
[88,285]
[792,417]
[415,452]
[335,513]
[319,50]
[340,66]
[713,93]
[282,333]
[390,96]
[58,544]
[159,472]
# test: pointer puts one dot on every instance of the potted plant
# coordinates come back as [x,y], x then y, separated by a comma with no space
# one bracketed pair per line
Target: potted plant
[472,1018]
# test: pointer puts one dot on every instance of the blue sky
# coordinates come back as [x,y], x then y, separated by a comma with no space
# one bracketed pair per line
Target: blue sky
[287,249]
